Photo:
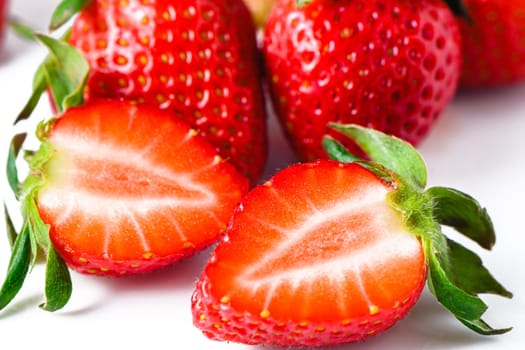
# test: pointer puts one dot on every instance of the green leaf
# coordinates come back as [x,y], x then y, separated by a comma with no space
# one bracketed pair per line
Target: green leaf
[338,151]
[39,87]
[12,172]
[391,152]
[59,84]
[481,327]
[461,304]
[64,11]
[467,308]
[58,282]
[21,29]
[10,228]
[468,273]
[17,269]
[462,212]
[69,65]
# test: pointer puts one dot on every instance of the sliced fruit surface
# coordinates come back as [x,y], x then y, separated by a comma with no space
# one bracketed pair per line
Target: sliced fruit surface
[129,188]
[317,248]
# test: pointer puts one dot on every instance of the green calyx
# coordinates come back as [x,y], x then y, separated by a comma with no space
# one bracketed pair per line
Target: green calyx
[456,274]
[63,73]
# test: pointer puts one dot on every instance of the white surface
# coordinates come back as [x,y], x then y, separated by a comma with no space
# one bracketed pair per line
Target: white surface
[477,146]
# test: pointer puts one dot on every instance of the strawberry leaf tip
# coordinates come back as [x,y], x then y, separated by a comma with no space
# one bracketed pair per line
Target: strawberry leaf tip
[58,287]
[391,152]
[64,11]
[456,274]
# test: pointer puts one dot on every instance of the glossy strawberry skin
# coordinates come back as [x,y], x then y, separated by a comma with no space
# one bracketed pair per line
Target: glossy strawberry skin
[197,58]
[135,192]
[255,288]
[493,43]
[390,65]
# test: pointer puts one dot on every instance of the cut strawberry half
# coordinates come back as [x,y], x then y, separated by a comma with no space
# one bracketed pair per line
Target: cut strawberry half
[126,194]
[119,189]
[332,252]
[318,248]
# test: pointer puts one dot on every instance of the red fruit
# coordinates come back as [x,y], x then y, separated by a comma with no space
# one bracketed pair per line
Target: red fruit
[391,65]
[129,189]
[314,256]
[196,58]
[493,43]
[329,252]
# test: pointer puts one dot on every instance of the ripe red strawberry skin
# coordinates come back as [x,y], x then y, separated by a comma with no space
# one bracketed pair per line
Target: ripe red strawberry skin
[493,43]
[130,189]
[390,65]
[197,58]
[295,268]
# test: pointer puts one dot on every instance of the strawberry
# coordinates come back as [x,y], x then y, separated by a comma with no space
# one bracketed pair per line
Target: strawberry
[331,252]
[493,43]
[386,64]
[196,58]
[124,189]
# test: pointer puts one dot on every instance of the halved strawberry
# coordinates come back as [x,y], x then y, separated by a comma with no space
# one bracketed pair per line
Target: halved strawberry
[125,189]
[128,189]
[330,252]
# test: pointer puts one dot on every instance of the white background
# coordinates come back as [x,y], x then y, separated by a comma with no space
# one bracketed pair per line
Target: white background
[477,146]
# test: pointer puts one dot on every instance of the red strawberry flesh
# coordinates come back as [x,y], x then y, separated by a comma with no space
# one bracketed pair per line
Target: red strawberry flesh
[125,188]
[316,249]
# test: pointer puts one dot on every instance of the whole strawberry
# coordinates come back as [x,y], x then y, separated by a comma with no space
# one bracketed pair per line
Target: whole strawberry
[391,65]
[197,58]
[493,43]
[330,252]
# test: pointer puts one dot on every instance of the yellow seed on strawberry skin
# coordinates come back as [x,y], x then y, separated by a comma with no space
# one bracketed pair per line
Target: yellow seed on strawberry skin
[225,299]
[202,318]
[147,255]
